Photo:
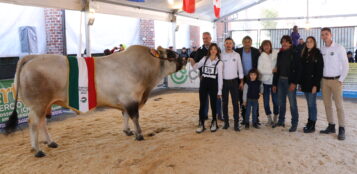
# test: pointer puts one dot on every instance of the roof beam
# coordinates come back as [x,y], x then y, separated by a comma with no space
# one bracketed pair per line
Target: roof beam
[239,10]
[291,18]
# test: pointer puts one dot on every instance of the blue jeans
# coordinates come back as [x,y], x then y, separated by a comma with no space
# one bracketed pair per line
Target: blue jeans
[283,91]
[252,105]
[311,104]
[274,97]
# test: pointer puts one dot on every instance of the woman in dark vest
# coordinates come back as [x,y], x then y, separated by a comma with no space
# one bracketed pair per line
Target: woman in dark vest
[312,71]
[211,84]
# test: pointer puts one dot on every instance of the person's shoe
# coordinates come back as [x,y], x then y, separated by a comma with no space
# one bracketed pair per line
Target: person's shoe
[258,121]
[256,126]
[278,125]
[236,126]
[246,125]
[308,125]
[226,125]
[293,128]
[275,119]
[214,125]
[201,128]
[310,128]
[330,129]
[341,133]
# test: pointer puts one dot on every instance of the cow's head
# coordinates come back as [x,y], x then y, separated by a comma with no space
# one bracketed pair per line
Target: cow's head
[171,56]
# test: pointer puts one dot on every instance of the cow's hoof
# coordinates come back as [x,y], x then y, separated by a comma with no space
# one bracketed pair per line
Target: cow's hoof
[53,145]
[139,137]
[40,154]
[48,116]
[128,132]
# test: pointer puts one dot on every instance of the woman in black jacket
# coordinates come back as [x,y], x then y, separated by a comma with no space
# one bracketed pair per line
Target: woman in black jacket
[312,71]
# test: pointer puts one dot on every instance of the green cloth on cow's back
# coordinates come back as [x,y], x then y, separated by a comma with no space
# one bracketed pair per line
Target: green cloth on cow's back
[73,82]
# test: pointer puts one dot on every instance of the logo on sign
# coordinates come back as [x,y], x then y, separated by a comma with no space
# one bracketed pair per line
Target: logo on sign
[179,77]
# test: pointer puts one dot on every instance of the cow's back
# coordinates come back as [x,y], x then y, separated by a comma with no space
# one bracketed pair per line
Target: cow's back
[44,79]
[125,76]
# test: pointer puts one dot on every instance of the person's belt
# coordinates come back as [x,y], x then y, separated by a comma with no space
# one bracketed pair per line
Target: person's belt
[331,78]
[283,77]
[228,80]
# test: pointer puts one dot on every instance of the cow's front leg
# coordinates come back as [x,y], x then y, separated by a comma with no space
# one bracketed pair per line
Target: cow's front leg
[133,111]
[126,129]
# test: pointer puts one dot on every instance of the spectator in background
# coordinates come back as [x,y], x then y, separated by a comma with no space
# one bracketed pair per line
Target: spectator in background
[121,47]
[300,46]
[171,48]
[356,56]
[118,49]
[184,53]
[295,36]
[350,57]
[107,52]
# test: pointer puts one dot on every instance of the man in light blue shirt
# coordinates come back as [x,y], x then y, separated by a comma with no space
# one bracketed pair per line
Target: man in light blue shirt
[247,62]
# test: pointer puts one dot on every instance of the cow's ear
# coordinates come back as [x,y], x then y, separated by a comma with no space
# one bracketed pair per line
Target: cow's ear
[162,52]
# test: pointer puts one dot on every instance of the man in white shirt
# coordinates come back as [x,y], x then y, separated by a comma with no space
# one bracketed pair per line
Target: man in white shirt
[232,70]
[335,71]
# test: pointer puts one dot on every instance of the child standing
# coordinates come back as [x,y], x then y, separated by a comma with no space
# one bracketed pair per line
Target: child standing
[251,92]
[211,84]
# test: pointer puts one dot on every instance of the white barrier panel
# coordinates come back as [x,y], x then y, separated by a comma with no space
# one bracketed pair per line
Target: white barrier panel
[185,78]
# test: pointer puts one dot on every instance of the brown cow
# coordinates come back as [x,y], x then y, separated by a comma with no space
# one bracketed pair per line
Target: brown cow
[123,81]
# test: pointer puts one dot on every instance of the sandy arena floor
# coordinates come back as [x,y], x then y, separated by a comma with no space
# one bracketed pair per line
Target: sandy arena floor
[94,143]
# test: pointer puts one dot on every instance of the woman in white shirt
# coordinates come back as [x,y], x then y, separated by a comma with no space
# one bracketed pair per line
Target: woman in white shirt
[211,84]
[266,67]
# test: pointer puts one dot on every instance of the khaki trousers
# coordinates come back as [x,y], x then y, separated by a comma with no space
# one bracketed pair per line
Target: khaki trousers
[332,89]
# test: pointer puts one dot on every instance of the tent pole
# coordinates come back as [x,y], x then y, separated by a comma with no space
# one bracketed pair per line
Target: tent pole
[79,51]
[87,30]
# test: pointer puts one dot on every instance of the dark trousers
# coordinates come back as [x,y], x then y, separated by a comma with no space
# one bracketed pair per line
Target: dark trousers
[208,86]
[230,87]
[218,108]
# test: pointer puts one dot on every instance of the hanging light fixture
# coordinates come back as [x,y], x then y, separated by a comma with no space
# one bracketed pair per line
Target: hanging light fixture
[91,16]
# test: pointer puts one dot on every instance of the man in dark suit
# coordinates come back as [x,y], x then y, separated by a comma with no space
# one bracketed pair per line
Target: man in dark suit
[249,56]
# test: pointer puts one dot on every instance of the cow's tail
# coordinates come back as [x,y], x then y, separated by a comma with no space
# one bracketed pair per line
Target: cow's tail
[11,124]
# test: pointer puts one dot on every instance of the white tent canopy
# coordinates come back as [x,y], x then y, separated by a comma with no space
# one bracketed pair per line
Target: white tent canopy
[151,9]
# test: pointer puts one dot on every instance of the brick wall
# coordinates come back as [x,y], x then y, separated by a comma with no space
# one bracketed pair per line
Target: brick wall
[195,36]
[55,38]
[147,32]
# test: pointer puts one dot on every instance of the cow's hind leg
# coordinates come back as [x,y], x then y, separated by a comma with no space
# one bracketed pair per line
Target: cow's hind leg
[133,111]
[34,125]
[126,129]
[49,142]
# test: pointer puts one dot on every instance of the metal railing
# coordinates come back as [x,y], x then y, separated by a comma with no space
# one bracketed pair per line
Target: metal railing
[346,36]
